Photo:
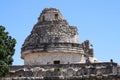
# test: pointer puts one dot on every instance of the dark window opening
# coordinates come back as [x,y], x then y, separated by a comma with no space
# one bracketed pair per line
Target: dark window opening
[20,75]
[43,18]
[45,47]
[56,62]
[56,16]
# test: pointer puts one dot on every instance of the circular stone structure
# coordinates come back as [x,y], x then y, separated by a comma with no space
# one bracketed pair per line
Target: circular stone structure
[52,41]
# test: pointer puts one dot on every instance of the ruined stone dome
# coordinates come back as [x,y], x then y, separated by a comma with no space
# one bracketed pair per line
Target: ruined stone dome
[50,31]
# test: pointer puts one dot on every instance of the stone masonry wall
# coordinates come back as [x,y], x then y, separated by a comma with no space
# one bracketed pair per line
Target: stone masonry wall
[95,71]
[50,58]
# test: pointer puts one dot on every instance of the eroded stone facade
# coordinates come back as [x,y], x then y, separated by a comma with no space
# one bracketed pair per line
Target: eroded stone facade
[50,38]
[88,71]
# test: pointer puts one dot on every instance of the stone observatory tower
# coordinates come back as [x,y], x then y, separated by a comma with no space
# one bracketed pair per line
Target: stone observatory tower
[52,41]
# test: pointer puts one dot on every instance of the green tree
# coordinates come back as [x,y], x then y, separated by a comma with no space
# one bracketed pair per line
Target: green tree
[7,49]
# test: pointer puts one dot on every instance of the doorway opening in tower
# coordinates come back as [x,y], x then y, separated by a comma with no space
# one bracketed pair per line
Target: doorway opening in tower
[57,62]
[56,16]
[43,17]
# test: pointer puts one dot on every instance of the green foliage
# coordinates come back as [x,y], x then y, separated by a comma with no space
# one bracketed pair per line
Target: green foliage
[7,44]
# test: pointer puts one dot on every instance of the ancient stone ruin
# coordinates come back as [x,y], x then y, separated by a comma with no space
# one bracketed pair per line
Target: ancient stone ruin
[52,51]
[54,41]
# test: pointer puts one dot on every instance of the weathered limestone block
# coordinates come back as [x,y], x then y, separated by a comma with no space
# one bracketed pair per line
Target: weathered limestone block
[93,71]
[51,58]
